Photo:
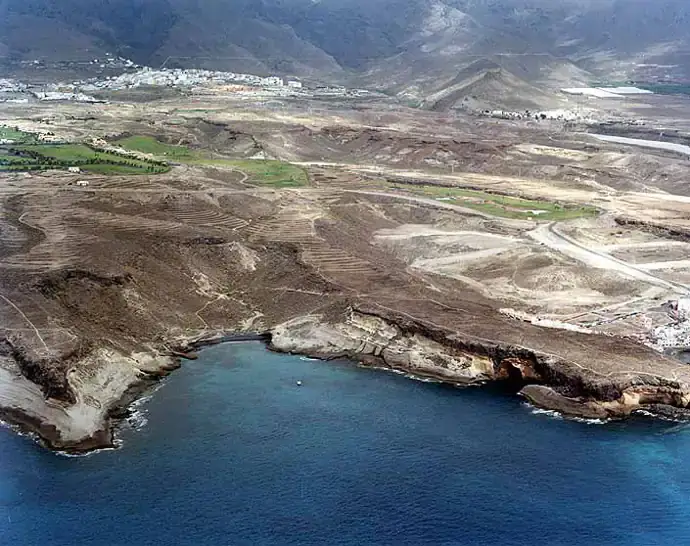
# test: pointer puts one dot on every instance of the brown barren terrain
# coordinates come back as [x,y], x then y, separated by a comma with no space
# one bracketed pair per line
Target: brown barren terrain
[468,250]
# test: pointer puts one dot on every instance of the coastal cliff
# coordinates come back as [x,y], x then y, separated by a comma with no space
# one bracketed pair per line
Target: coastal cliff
[400,343]
[104,292]
[74,404]
[75,410]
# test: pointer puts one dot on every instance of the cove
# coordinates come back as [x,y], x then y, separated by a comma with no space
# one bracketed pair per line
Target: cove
[234,453]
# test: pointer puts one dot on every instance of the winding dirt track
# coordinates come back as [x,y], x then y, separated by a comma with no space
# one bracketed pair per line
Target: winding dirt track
[550,236]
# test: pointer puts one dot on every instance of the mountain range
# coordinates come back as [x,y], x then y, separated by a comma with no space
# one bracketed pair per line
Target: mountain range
[426,49]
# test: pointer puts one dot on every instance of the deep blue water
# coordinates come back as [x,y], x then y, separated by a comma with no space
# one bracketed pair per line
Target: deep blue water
[235,453]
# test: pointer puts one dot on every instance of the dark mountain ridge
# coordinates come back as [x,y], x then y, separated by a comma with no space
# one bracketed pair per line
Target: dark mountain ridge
[388,43]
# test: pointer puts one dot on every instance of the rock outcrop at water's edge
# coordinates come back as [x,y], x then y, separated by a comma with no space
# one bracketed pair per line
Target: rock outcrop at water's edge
[401,343]
[75,411]
[73,403]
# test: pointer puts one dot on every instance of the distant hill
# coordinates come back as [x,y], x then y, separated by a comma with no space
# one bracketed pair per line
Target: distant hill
[485,85]
[415,47]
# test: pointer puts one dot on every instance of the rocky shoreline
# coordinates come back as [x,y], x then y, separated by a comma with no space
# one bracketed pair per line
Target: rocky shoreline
[85,417]
[546,381]
[389,340]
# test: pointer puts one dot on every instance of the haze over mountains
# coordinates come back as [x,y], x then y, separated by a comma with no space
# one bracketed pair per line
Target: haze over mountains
[416,47]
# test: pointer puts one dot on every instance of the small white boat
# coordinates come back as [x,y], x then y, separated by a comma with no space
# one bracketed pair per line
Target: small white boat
[299,383]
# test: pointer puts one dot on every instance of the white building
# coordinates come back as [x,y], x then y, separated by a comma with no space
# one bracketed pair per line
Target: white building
[273,81]
[683,308]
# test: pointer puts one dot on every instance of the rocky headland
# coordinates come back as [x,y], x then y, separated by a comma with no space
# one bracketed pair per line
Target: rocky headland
[78,411]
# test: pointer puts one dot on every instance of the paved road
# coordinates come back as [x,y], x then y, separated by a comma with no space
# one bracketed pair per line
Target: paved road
[549,236]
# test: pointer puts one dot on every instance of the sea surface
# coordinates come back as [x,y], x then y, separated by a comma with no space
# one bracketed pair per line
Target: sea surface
[231,451]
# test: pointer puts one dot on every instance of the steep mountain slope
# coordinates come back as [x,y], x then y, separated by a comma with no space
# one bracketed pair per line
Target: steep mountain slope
[205,39]
[393,43]
[481,86]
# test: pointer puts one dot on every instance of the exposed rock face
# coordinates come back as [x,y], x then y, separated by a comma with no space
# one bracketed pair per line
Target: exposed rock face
[374,341]
[96,386]
[417,348]
[546,397]
[92,280]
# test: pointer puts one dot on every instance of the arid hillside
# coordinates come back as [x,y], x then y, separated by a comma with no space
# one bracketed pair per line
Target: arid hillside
[464,249]
[614,39]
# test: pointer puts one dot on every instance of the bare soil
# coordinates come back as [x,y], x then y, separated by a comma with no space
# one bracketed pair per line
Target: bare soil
[144,264]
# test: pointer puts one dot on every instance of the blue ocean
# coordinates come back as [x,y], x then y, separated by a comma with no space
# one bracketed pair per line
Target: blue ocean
[231,451]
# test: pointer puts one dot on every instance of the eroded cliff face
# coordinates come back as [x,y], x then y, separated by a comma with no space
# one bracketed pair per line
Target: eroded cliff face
[373,340]
[420,349]
[103,289]
[72,411]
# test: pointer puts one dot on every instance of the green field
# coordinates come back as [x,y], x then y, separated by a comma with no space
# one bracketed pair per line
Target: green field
[278,174]
[35,157]
[501,205]
[61,152]
[32,157]
[13,133]
[13,159]
[102,168]
[150,145]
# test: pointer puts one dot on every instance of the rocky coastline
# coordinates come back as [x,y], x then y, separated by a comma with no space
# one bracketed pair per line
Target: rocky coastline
[87,415]
[74,414]
[393,341]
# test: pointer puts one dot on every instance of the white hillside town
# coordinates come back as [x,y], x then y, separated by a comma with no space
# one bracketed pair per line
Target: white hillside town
[136,77]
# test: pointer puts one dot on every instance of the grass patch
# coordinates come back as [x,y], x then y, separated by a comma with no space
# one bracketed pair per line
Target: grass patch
[150,145]
[25,168]
[278,174]
[501,205]
[13,133]
[13,159]
[102,168]
[61,152]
